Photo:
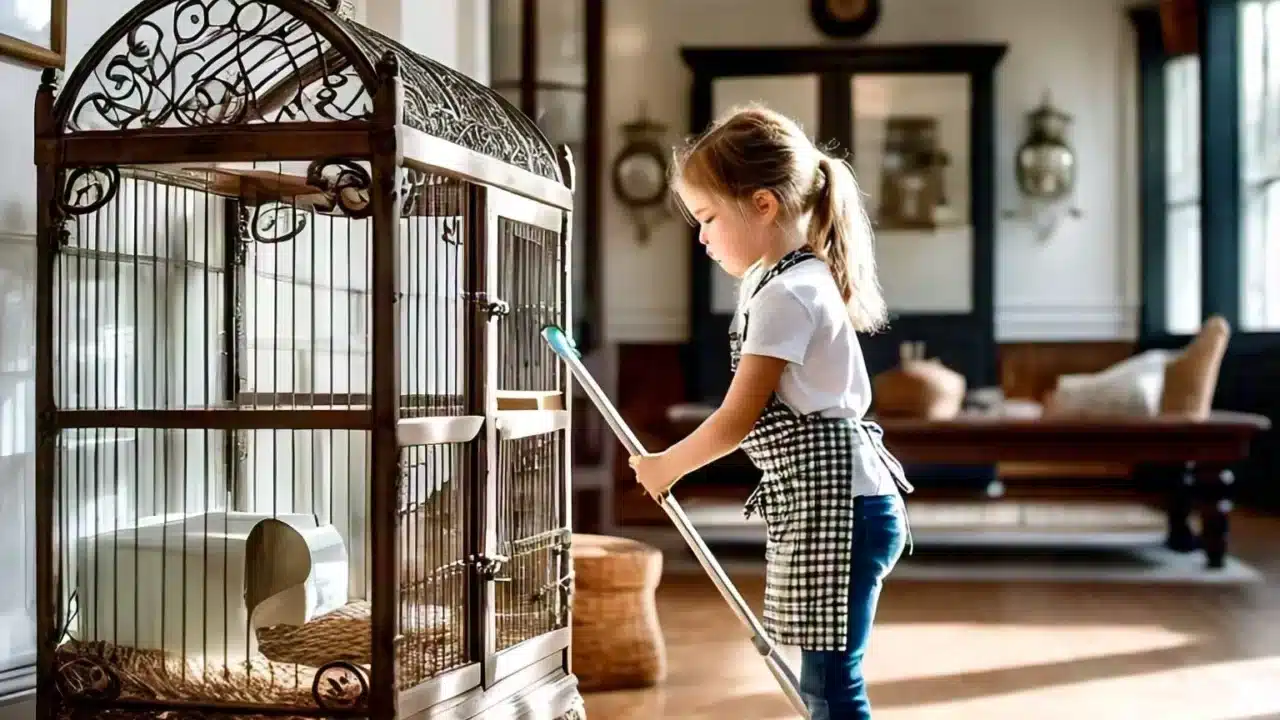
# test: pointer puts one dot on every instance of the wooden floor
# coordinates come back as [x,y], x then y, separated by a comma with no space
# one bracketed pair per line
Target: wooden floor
[1002,650]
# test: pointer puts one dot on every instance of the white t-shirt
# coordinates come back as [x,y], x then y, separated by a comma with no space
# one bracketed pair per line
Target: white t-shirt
[800,317]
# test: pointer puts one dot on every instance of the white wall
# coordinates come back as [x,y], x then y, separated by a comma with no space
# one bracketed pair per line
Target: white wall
[1081,283]
[453,32]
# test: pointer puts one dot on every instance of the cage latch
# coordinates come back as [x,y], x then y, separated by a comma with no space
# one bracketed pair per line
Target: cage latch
[488,566]
[564,585]
[497,308]
[493,307]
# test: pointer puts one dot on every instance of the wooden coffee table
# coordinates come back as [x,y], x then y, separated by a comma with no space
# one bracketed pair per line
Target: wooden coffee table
[1205,449]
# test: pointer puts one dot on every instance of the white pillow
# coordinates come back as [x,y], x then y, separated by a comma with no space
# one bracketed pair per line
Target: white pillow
[1132,387]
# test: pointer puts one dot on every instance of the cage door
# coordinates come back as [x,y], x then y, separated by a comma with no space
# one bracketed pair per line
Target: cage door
[527,577]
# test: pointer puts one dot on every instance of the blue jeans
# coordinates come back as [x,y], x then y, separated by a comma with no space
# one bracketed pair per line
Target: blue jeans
[831,683]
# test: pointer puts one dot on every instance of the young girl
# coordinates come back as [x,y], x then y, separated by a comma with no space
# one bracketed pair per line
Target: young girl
[787,219]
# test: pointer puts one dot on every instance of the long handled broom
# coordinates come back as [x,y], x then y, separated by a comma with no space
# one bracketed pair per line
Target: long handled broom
[564,348]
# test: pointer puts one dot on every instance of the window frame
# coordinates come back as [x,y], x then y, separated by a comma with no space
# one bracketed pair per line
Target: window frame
[1222,182]
[1257,182]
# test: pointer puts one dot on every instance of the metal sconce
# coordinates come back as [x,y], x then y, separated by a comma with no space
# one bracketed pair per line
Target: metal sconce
[1045,167]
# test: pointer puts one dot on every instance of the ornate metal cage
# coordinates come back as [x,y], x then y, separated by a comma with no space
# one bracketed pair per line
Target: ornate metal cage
[301,449]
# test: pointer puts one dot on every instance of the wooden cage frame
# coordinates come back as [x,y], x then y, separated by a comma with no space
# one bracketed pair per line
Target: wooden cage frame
[420,115]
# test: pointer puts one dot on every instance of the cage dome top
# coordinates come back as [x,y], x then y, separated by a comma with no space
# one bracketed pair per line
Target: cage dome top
[202,63]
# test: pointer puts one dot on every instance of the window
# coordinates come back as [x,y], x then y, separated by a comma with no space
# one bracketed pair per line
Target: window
[1182,204]
[1260,164]
[555,91]
[17,459]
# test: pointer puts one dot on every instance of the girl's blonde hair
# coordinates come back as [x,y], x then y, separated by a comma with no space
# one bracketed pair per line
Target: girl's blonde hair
[754,148]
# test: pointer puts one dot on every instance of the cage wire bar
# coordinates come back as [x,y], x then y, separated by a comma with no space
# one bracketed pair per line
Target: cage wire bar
[289,272]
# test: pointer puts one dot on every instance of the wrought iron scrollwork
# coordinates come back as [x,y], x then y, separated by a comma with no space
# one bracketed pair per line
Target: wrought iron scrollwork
[193,63]
[86,190]
[219,62]
[340,685]
[413,190]
[449,233]
[346,185]
[84,678]
[447,104]
[277,222]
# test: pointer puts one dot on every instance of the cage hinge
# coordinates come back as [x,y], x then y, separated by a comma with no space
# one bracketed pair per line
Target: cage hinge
[488,566]
[59,236]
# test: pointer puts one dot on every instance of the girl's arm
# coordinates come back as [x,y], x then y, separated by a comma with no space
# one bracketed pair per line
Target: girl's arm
[721,433]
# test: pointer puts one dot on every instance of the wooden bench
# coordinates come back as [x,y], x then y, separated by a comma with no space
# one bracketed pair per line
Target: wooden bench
[1206,449]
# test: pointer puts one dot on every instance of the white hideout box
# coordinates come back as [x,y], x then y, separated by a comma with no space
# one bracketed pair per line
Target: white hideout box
[182,583]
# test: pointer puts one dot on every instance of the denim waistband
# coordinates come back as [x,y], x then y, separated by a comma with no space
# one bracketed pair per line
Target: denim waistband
[877,502]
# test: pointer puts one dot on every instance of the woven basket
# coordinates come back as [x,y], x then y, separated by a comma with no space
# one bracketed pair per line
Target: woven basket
[617,640]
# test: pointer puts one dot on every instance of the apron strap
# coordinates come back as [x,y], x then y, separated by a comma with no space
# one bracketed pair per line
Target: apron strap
[752,505]
[876,434]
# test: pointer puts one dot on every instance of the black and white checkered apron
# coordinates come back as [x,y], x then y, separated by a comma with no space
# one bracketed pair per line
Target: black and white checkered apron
[805,495]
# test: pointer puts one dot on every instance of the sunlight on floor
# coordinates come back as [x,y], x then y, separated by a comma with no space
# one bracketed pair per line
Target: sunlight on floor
[987,671]
[895,653]
[1170,693]
[1241,689]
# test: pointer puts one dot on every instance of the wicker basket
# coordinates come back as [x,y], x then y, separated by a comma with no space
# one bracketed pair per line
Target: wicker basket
[617,640]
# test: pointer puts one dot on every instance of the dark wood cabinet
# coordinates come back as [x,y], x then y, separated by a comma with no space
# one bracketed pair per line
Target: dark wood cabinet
[917,123]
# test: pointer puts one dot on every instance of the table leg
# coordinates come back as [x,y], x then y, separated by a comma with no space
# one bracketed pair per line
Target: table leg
[1215,505]
[1181,499]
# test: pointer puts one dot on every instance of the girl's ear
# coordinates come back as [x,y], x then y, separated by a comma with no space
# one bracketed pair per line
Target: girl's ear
[765,204]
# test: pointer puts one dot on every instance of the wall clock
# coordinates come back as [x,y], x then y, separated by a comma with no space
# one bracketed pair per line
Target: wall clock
[640,175]
[845,18]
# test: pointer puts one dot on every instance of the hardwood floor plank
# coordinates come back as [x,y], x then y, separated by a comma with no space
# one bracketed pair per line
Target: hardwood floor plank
[1002,650]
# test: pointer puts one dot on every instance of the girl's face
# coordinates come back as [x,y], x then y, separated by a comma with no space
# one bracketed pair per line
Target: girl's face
[735,235]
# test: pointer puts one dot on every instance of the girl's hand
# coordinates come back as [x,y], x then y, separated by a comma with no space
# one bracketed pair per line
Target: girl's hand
[653,472]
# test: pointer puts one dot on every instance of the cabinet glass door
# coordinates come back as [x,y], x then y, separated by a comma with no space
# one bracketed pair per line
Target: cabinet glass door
[911,139]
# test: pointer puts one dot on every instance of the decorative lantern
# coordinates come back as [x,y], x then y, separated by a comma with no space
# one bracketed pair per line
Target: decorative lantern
[1046,165]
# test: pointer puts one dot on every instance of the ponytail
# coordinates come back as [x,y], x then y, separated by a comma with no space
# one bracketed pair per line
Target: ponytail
[754,149]
[840,234]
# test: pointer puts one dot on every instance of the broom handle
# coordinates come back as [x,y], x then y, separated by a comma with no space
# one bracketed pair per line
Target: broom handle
[776,663]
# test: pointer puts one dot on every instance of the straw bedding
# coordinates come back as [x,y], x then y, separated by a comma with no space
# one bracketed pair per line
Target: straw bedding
[284,671]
